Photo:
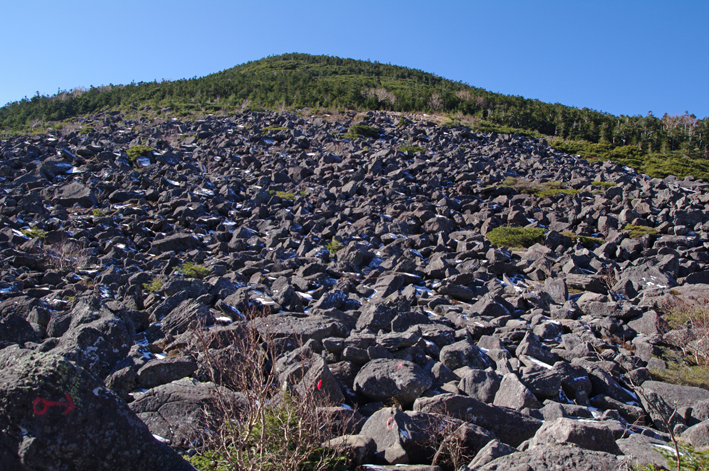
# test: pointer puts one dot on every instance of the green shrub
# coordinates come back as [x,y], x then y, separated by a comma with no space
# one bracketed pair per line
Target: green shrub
[98,213]
[412,149]
[273,128]
[554,192]
[193,270]
[639,231]
[334,246]
[542,190]
[587,241]
[690,459]
[362,130]
[86,130]
[153,286]
[34,233]
[515,236]
[603,184]
[284,195]
[138,151]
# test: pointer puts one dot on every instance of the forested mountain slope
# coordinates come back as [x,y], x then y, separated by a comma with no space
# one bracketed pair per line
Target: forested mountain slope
[658,146]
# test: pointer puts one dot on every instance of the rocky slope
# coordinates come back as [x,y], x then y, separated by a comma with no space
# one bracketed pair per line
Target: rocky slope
[542,353]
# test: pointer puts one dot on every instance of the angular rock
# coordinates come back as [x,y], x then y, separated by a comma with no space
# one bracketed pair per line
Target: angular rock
[589,435]
[383,379]
[56,415]
[510,426]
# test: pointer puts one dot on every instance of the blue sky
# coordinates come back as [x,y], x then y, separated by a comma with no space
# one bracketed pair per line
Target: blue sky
[622,56]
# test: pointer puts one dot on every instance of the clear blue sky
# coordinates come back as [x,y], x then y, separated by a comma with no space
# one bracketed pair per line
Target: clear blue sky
[621,56]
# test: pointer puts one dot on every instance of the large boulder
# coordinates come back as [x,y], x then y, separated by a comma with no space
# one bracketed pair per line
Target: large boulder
[176,412]
[583,433]
[293,328]
[55,415]
[75,193]
[464,353]
[414,437]
[556,457]
[175,243]
[510,426]
[386,379]
[661,400]
[96,338]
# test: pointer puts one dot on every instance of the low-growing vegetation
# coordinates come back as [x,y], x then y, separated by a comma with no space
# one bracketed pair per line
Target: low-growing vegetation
[273,128]
[284,195]
[540,189]
[587,241]
[687,362]
[34,233]
[679,371]
[193,270]
[273,426]
[153,285]
[362,130]
[515,237]
[66,254]
[412,149]
[639,231]
[334,246]
[138,151]
[603,184]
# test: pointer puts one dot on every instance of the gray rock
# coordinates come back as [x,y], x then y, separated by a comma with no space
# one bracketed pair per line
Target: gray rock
[15,329]
[698,435]
[164,371]
[542,382]
[493,450]
[175,243]
[359,449]
[510,426]
[377,315]
[556,290]
[644,450]
[75,193]
[532,346]
[661,400]
[56,415]
[97,338]
[589,435]
[413,437]
[189,314]
[297,327]
[548,458]
[176,411]
[480,384]
[464,353]
[383,379]
[515,395]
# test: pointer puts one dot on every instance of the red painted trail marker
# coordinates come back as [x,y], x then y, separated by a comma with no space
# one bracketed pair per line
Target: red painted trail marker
[41,406]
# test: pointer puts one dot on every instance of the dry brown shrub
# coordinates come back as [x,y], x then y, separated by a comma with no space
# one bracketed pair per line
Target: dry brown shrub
[272,428]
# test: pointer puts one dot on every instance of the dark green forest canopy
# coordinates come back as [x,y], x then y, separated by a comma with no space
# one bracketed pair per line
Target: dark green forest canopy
[293,81]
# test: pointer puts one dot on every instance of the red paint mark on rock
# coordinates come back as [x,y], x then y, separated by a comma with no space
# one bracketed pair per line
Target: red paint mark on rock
[398,367]
[391,423]
[41,406]
[319,384]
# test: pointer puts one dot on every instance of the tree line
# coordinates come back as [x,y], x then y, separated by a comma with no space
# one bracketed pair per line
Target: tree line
[292,81]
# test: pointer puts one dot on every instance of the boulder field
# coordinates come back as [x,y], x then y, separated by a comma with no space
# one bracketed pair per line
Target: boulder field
[366,262]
